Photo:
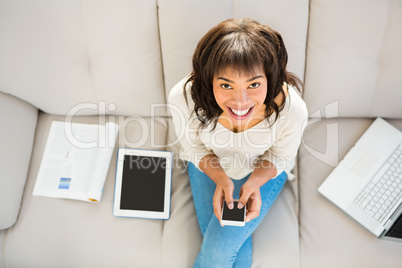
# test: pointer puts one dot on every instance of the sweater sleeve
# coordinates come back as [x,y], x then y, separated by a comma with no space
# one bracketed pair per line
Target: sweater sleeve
[186,125]
[289,134]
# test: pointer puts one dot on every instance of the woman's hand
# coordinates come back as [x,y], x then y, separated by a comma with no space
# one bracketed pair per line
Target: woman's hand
[250,191]
[224,190]
[250,195]
[210,165]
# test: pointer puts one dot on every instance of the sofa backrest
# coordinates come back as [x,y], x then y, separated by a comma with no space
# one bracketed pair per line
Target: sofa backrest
[183,23]
[354,58]
[60,54]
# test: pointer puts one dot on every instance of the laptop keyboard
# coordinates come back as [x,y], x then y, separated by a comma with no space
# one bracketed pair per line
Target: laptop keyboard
[385,189]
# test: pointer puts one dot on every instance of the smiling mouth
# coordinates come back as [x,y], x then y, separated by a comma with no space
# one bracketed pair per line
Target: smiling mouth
[240,114]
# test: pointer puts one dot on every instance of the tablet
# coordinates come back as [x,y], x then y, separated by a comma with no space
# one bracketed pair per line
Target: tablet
[143,184]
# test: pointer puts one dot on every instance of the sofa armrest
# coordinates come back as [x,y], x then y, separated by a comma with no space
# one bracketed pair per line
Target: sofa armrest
[18,123]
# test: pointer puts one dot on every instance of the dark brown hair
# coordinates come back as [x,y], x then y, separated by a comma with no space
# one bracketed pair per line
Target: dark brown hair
[244,45]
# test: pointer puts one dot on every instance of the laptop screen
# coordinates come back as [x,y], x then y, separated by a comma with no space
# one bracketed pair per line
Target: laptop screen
[396,229]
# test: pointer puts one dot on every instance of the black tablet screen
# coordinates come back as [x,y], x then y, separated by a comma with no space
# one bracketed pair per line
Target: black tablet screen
[143,183]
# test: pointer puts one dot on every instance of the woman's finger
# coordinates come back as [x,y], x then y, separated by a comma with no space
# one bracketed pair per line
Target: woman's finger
[244,197]
[252,214]
[217,203]
[229,197]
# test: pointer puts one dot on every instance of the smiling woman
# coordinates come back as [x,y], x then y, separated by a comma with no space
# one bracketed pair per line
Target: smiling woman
[247,48]
[239,120]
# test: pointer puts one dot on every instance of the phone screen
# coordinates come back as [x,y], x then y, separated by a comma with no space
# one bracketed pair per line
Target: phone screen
[234,214]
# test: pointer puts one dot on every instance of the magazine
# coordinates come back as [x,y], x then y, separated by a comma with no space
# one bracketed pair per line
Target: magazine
[76,161]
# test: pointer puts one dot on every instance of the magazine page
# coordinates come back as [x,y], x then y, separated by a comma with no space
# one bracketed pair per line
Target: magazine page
[73,164]
[104,155]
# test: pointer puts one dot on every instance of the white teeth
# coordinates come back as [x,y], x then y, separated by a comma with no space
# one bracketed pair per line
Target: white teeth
[240,112]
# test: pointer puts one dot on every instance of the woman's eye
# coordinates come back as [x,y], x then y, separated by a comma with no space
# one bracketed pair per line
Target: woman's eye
[254,85]
[226,86]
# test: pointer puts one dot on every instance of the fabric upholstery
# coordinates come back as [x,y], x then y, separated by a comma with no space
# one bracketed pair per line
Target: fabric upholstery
[354,58]
[18,123]
[1,248]
[57,55]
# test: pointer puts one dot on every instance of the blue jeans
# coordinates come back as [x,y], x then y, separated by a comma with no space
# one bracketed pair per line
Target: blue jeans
[227,246]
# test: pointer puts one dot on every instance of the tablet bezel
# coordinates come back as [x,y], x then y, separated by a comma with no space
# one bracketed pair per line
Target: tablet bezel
[165,214]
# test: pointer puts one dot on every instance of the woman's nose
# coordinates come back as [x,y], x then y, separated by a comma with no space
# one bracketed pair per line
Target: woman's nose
[241,97]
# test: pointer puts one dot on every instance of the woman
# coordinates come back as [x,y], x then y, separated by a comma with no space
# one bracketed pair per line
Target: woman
[239,120]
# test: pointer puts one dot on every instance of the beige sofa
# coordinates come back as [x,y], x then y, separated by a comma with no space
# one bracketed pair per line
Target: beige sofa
[118,59]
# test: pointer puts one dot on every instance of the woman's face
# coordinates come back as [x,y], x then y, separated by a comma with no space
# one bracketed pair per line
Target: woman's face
[241,97]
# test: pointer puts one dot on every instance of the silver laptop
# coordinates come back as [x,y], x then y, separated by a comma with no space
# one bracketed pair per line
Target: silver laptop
[367,183]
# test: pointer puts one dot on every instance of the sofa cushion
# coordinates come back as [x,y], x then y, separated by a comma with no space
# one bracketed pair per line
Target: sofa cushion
[354,57]
[275,242]
[18,123]
[181,239]
[179,40]
[53,232]
[1,248]
[328,236]
[56,55]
